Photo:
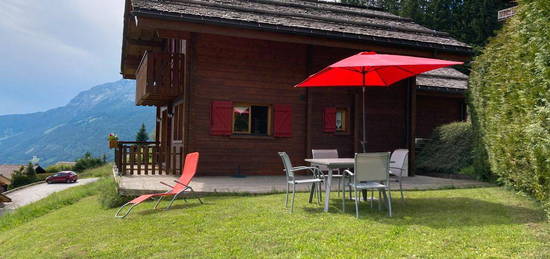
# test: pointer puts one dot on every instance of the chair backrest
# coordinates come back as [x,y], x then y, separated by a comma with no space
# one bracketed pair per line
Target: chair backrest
[370,167]
[400,159]
[287,164]
[188,170]
[324,153]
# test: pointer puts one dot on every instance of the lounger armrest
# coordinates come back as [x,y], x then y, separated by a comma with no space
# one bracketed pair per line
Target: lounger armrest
[178,182]
[167,184]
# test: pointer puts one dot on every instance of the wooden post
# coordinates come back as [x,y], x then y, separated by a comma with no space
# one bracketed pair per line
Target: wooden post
[309,103]
[410,122]
[154,153]
[146,158]
[124,155]
[190,60]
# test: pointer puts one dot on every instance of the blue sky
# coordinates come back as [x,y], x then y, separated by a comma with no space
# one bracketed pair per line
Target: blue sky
[50,50]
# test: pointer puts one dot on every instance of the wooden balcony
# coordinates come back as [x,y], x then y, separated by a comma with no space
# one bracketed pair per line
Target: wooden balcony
[159,78]
[147,158]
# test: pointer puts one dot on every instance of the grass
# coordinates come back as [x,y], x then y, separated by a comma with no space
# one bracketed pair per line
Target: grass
[56,200]
[102,171]
[481,222]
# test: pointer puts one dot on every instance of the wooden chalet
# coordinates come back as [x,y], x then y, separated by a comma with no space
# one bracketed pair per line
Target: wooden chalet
[221,75]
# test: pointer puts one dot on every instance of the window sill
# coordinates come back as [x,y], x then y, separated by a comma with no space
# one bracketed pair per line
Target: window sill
[250,137]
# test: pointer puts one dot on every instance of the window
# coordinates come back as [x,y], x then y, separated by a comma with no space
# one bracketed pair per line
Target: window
[251,119]
[341,119]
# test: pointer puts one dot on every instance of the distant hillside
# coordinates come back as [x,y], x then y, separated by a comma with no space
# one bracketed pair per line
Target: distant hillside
[65,133]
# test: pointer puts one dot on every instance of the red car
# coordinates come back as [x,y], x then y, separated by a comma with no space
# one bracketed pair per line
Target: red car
[63,177]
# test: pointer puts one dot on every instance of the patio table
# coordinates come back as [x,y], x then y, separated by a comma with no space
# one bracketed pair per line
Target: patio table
[331,163]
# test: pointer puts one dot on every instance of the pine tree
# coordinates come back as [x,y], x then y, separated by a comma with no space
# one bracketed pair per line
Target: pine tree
[142,135]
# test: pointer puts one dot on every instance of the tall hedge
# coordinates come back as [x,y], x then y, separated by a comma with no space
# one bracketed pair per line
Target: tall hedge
[510,102]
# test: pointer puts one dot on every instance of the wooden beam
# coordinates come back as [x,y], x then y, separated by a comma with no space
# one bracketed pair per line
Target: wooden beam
[145,43]
[309,102]
[170,25]
[440,94]
[187,91]
[171,34]
[157,126]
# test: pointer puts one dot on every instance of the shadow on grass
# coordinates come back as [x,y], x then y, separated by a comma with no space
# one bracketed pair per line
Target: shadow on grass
[438,212]
[162,207]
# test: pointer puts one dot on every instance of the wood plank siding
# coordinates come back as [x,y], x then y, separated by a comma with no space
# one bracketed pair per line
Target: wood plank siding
[245,71]
[433,111]
[263,72]
[240,52]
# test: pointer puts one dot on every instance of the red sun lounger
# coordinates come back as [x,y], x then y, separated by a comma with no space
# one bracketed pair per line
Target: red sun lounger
[181,186]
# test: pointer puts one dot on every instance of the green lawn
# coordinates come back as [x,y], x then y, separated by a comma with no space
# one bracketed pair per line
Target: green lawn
[483,222]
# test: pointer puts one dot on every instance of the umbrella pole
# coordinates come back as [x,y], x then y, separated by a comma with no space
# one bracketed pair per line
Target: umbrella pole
[364,143]
[364,117]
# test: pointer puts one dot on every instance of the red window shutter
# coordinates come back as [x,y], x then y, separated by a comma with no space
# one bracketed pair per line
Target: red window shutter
[330,119]
[283,120]
[220,118]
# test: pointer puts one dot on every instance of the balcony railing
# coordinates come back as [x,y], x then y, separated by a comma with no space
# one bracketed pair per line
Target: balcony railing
[159,78]
[147,158]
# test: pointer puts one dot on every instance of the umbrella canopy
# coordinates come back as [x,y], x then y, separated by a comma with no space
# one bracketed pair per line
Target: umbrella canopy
[366,69]
[372,69]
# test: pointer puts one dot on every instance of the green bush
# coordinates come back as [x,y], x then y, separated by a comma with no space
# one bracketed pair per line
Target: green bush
[510,102]
[23,176]
[450,151]
[58,168]
[42,177]
[109,196]
[87,162]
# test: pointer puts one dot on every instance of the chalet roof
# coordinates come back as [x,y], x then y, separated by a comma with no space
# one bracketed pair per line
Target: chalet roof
[4,198]
[307,17]
[7,170]
[449,78]
[4,180]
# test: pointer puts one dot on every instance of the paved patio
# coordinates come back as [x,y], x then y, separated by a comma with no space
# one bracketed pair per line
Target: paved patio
[136,185]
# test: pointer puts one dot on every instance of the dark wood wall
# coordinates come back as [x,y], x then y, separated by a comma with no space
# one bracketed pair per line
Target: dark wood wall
[434,110]
[263,72]
[249,71]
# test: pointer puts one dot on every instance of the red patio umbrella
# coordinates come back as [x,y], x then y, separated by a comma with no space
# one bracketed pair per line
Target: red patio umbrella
[367,69]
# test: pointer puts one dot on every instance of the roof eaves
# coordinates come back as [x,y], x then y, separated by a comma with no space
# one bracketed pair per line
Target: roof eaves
[296,30]
[441,89]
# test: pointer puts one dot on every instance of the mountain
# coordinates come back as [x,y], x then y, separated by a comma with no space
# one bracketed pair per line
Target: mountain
[66,133]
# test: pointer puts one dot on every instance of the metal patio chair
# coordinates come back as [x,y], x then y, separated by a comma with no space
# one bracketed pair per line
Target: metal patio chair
[180,187]
[399,166]
[291,179]
[371,173]
[328,153]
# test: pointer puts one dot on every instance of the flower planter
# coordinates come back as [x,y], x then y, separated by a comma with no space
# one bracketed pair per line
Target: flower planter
[113,143]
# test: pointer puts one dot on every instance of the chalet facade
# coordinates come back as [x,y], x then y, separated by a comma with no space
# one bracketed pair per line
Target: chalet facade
[221,75]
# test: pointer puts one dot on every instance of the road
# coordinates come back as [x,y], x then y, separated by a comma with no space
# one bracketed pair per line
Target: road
[37,192]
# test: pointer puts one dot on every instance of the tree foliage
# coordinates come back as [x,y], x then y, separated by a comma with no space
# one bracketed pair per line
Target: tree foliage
[142,135]
[510,102]
[88,161]
[23,176]
[469,21]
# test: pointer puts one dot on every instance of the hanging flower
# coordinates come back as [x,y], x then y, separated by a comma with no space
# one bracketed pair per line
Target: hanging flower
[112,137]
